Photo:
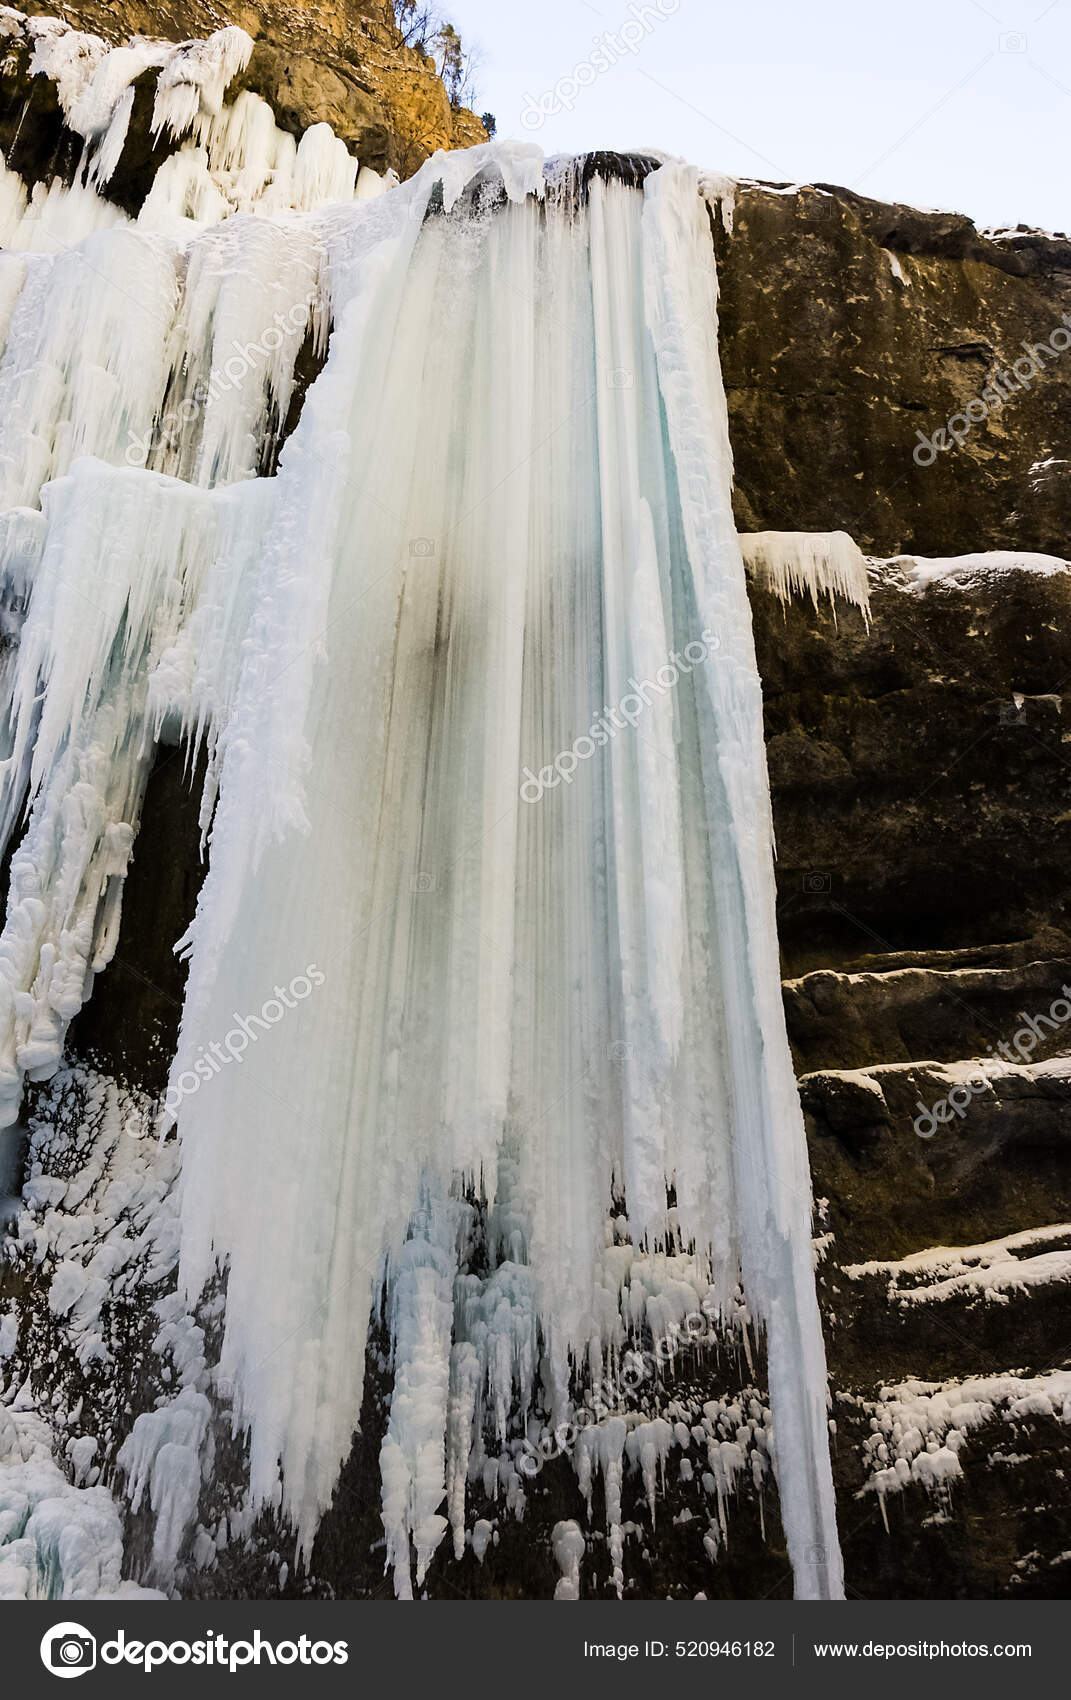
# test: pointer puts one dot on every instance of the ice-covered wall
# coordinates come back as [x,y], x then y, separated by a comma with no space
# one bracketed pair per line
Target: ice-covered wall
[483,1022]
[225,157]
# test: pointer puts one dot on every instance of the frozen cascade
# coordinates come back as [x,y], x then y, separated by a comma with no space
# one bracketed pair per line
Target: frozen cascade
[498,543]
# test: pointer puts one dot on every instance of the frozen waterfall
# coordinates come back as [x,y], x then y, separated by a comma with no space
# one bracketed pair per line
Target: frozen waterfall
[483,1029]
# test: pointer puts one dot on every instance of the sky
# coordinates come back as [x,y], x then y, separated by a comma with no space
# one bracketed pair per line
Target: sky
[963,105]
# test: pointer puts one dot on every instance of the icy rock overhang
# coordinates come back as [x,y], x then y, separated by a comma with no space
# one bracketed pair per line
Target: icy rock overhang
[808,563]
[94,80]
[210,157]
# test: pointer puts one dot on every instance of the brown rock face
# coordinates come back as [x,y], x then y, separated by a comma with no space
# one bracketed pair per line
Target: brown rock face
[847,328]
[918,769]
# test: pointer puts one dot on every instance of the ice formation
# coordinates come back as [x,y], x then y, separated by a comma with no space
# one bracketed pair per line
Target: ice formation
[228,157]
[95,82]
[534,1101]
[97,1226]
[815,563]
[58,1541]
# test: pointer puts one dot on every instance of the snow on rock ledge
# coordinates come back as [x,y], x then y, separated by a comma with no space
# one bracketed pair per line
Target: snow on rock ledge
[918,573]
[920,1427]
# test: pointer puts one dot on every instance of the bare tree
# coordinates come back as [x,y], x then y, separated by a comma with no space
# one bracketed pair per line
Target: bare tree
[422,26]
[417,22]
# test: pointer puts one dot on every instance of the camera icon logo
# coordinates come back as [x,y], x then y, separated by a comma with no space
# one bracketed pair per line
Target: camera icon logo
[1013,41]
[68,1650]
[817,884]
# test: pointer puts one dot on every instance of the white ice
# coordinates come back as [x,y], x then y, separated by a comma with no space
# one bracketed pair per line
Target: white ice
[503,519]
[817,563]
[57,1541]
[479,527]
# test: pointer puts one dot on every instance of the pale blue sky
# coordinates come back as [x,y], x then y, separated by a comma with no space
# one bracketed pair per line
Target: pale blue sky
[958,104]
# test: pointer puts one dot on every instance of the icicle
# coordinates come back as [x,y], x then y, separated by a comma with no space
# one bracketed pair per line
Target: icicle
[819,563]
[161,1460]
[413,1458]
[769,1150]
[720,191]
[127,560]
[83,370]
[54,217]
[567,1540]
[195,78]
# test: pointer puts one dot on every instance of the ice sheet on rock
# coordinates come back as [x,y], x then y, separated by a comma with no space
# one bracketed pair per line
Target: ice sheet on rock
[137,611]
[815,563]
[98,1229]
[480,545]
[991,1271]
[97,1214]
